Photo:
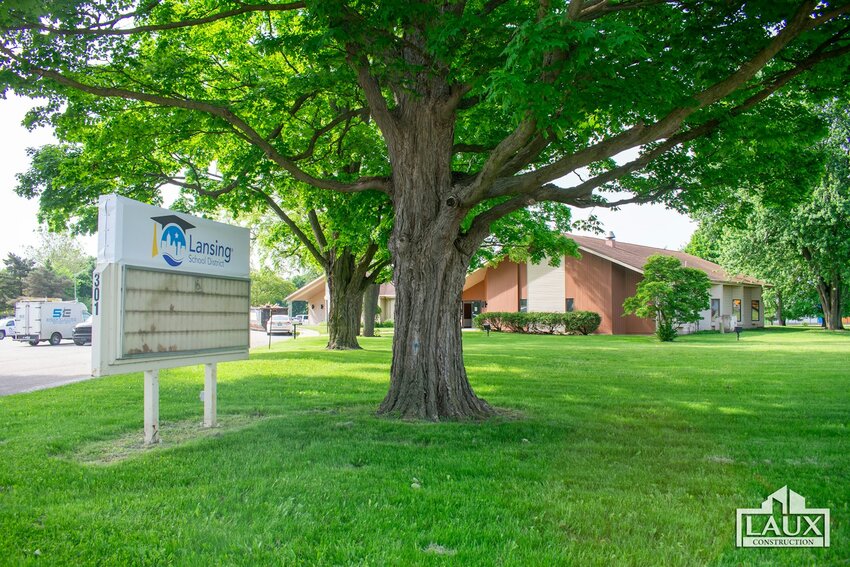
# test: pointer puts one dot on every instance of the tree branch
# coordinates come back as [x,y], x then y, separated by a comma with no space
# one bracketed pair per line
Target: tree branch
[372,90]
[506,149]
[317,230]
[320,258]
[581,195]
[360,272]
[375,270]
[666,126]
[311,146]
[98,30]
[250,135]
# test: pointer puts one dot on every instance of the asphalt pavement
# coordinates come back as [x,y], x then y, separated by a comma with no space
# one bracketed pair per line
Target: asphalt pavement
[25,368]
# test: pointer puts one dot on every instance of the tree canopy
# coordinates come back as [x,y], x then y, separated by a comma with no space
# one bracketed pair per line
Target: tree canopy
[801,245]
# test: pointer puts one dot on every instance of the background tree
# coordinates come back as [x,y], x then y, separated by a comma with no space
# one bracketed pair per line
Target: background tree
[460,113]
[755,250]
[344,236]
[12,277]
[42,281]
[60,251]
[670,294]
[800,244]
[268,288]
[370,309]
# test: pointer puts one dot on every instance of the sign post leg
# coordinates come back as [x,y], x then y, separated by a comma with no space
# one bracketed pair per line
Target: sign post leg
[210,379]
[151,407]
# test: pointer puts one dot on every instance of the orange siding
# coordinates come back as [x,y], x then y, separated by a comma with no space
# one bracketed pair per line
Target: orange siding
[625,285]
[478,292]
[588,282]
[502,287]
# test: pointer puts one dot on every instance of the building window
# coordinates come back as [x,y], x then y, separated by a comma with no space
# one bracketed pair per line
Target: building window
[715,308]
[523,305]
[736,309]
[571,304]
[756,312]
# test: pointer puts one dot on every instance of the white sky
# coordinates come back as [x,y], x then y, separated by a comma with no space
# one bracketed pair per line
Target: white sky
[651,225]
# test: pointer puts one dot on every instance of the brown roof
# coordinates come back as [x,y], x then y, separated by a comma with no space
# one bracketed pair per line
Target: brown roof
[634,256]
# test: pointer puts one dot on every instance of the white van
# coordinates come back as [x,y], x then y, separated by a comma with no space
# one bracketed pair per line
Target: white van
[37,321]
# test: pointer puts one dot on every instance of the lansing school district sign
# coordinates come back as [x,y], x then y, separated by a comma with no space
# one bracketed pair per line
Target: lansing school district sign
[137,234]
[170,289]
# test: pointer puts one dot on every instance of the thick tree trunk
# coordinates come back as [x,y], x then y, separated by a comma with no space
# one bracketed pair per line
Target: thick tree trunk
[428,379]
[780,316]
[370,309]
[830,298]
[346,297]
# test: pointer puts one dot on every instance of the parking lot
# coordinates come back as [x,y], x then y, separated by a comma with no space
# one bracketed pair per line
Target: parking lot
[24,368]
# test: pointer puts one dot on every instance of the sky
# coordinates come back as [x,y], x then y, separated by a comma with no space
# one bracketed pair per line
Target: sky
[650,225]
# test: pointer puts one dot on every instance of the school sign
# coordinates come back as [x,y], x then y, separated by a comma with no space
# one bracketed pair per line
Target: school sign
[170,290]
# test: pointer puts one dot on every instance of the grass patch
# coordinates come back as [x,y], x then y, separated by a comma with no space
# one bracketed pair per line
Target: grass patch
[132,443]
[622,451]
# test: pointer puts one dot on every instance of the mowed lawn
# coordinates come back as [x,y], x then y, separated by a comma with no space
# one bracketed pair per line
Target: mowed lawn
[610,451]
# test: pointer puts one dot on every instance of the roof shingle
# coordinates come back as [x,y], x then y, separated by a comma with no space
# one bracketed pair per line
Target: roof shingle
[634,256]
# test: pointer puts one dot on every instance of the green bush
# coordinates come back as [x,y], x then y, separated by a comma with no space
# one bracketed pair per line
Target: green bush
[384,325]
[572,323]
[582,322]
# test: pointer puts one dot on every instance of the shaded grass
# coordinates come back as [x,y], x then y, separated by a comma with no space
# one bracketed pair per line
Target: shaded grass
[628,452]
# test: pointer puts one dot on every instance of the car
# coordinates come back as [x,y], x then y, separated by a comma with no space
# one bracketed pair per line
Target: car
[279,324]
[300,319]
[82,332]
[7,327]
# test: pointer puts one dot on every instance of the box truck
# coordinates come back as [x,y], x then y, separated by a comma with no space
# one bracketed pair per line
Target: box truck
[38,320]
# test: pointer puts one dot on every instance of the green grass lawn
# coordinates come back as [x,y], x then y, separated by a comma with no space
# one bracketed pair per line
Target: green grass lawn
[612,451]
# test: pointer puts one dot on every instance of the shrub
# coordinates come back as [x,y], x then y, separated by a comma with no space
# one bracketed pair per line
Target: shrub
[572,323]
[549,323]
[385,325]
[583,322]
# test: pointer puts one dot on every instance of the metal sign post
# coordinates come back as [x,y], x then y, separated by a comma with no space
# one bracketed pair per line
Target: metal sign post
[151,407]
[210,386]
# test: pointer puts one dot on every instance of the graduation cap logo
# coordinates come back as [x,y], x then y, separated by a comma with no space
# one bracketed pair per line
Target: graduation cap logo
[171,243]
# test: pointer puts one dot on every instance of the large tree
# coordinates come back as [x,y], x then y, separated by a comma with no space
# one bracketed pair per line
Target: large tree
[461,113]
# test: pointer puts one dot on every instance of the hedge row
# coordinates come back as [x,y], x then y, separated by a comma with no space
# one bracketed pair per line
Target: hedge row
[571,323]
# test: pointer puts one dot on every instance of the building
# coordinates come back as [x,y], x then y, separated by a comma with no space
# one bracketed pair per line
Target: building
[606,274]
[317,296]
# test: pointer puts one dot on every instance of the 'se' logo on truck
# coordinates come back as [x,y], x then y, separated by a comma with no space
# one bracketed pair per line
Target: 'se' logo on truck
[57,313]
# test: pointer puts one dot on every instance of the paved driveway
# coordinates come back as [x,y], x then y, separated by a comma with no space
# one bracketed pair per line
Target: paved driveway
[24,368]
